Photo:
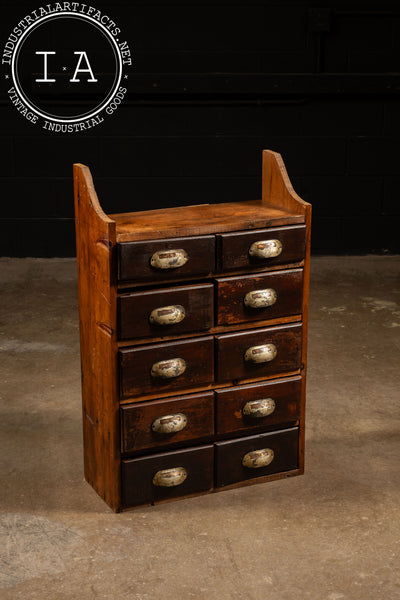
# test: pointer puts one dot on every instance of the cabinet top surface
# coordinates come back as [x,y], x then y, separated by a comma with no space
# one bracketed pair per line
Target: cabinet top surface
[200,219]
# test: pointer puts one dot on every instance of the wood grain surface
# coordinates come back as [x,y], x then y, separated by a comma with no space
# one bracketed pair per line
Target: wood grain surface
[136,421]
[286,393]
[134,258]
[136,363]
[231,292]
[200,220]
[134,311]
[95,247]
[277,190]
[138,473]
[229,455]
[234,247]
[231,348]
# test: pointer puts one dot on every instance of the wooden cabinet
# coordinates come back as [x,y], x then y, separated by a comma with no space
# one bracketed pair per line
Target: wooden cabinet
[193,325]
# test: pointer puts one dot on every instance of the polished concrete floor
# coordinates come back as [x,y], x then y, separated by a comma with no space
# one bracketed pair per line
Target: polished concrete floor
[332,534]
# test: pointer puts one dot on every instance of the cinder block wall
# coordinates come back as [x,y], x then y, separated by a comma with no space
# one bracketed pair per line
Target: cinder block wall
[212,85]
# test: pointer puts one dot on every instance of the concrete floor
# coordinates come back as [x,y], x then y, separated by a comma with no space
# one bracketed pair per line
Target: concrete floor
[332,534]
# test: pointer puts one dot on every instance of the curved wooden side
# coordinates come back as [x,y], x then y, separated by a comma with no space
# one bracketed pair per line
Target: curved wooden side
[277,190]
[96,260]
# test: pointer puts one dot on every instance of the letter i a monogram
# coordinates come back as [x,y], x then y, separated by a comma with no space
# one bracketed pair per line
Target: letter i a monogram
[82,55]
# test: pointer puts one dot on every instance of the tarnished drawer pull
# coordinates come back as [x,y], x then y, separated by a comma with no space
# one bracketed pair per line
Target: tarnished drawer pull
[169,259]
[260,354]
[266,249]
[258,458]
[259,408]
[167,315]
[169,423]
[167,369]
[260,298]
[170,477]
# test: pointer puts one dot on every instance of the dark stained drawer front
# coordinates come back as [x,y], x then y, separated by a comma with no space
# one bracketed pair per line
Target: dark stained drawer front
[160,260]
[171,311]
[162,422]
[260,353]
[257,405]
[263,247]
[258,297]
[160,368]
[168,475]
[256,456]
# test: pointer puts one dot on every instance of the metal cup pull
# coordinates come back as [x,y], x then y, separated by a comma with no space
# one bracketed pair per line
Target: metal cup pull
[260,354]
[167,315]
[170,477]
[169,423]
[258,458]
[168,369]
[260,298]
[266,249]
[169,259]
[257,409]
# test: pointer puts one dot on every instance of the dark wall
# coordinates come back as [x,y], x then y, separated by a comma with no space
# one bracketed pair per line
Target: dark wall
[214,83]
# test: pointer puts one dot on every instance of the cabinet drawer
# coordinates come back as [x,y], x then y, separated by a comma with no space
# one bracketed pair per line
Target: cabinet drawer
[162,422]
[252,406]
[238,352]
[169,475]
[235,461]
[258,297]
[160,260]
[239,250]
[160,368]
[171,311]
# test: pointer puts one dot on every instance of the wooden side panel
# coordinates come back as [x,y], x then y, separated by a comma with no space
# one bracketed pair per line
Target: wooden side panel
[306,293]
[95,244]
[277,189]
